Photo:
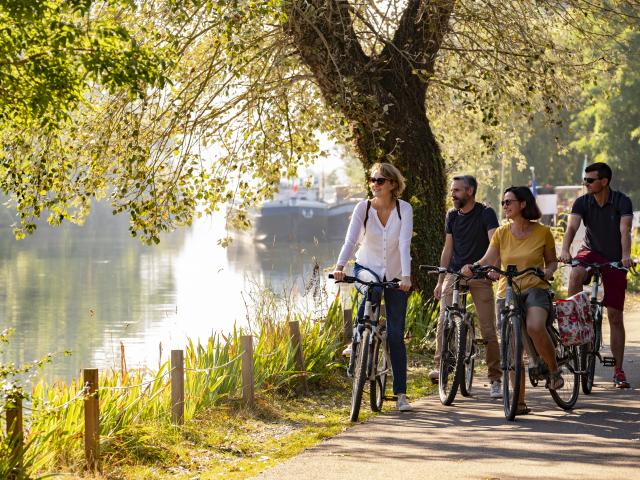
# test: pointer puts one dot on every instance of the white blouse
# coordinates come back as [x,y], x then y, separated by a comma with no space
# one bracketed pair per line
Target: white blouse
[383,249]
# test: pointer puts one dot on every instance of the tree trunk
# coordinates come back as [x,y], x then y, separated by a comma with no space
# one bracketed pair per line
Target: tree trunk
[410,145]
[384,100]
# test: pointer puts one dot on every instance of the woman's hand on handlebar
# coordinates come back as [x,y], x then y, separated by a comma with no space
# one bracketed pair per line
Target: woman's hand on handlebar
[548,274]
[338,275]
[405,284]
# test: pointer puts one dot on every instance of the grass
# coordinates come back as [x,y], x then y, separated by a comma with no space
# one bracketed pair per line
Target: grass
[219,436]
[235,443]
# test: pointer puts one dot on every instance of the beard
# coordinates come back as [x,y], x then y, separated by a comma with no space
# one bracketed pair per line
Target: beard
[460,202]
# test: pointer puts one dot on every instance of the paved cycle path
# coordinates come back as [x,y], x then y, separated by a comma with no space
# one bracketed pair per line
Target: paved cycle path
[599,439]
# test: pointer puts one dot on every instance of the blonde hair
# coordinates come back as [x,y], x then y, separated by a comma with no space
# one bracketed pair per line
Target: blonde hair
[392,173]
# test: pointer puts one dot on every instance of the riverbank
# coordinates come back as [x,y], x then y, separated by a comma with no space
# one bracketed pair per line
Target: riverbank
[234,443]
[138,436]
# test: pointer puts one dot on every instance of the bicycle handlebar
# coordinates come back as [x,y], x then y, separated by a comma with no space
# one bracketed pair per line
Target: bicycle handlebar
[574,262]
[509,273]
[348,279]
[433,269]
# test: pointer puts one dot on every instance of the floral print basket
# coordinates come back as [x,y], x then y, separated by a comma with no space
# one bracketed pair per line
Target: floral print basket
[574,320]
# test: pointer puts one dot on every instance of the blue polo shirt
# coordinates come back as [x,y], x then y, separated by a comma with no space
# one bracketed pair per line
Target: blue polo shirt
[602,223]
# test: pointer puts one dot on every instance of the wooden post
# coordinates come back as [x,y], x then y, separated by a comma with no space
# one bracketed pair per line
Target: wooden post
[296,341]
[91,419]
[123,363]
[347,315]
[15,433]
[246,343]
[177,387]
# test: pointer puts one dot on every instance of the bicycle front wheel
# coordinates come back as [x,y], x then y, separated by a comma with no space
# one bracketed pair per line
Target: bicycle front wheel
[449,379]
[469,357]
[511,364]
[568,364]
[589,352]
[378,386]
[360,373]
[587,366]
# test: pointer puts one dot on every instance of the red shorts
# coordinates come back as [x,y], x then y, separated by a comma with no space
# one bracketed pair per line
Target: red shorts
[613,280]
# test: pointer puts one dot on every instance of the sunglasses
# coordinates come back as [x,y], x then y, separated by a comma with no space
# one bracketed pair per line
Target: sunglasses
[589,180]
[378,181]
[507,202]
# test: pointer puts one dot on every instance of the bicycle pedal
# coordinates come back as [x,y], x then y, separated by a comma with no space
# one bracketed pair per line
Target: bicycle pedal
[608,362]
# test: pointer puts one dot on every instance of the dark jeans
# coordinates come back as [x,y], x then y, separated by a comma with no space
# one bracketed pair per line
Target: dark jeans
[396,309]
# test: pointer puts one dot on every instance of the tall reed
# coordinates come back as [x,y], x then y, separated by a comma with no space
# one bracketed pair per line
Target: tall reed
[131,401]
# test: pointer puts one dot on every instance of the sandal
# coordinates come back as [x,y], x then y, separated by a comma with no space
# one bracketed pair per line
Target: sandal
[555,381]
[523,409]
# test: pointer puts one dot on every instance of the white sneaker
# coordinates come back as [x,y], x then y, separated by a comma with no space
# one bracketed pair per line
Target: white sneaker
[496,389]
[347,351]
[434,376]
[403,404]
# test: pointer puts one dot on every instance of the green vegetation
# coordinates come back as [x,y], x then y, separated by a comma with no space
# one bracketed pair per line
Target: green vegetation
[135,406]
[174,108]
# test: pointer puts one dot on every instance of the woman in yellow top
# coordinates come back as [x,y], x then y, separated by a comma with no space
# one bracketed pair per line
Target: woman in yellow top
[526,243]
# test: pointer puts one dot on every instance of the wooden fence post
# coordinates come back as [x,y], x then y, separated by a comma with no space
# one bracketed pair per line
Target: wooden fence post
[15,433]
[177,387]
[296,341]
[347,316]
[246,343]
[91,419]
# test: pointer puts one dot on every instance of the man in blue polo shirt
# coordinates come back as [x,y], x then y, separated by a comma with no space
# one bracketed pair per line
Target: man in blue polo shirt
[607,215]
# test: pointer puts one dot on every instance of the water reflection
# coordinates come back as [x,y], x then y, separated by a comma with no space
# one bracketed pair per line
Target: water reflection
[86,289]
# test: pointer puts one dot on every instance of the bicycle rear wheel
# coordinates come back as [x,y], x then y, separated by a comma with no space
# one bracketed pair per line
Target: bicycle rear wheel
[378,386]
[469,357]
[511,364]
[360,373]
[568,364]
[449,378]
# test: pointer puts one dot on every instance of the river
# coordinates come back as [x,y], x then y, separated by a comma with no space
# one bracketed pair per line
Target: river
[88,288]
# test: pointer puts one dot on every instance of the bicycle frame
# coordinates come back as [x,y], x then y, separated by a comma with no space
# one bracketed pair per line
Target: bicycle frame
[368,337]
[535,364]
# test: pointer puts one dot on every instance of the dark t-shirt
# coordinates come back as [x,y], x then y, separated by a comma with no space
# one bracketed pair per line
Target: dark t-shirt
[469,230]
[603,223]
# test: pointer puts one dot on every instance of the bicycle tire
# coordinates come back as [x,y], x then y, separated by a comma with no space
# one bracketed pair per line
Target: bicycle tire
[469,357]
[378,386]
[360,374]
[511,364]
[569,365]
[587,366]
[449,379]
[589,352]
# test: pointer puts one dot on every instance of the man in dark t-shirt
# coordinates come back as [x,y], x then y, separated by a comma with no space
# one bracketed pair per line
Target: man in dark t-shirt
[468,229]
[607,215]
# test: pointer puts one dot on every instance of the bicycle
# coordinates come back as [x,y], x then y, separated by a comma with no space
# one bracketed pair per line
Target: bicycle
[514,336]
[370,357]
[459,344]
[590,351]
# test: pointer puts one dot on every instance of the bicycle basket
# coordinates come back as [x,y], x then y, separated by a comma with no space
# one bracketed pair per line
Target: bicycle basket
[575,324]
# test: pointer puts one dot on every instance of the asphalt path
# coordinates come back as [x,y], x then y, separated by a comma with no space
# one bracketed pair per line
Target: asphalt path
[598,439]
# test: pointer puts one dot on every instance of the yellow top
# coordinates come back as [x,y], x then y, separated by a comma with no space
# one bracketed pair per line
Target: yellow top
[524,253]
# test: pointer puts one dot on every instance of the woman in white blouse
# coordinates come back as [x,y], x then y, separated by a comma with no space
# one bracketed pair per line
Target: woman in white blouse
[383,227]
